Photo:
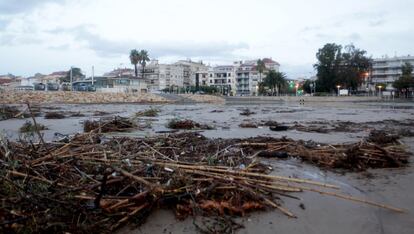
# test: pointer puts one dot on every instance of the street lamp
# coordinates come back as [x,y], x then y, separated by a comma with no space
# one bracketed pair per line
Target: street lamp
[338,86]
[380,87]
[296,89]
[71,78]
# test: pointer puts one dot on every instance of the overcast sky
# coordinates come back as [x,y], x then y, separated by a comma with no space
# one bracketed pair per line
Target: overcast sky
[51,35]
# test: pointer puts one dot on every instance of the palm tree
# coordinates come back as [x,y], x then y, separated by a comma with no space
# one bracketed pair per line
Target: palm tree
[135,59]
[275,81]
[143,59]
[260,68]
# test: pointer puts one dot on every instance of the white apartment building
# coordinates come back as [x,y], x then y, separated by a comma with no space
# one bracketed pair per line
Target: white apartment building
[224,78]
[161,76]
[191,69]
[386,70]
[248,77]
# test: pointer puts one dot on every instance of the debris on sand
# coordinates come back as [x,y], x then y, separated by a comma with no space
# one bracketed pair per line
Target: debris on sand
[115,124]
[354,157]
[182,124]
[273,154]
[381,137]
[270,123]
[76,114]
[8,112]
[247,112]
[54,115]
[278,128]
[187,124]
[405,132]
[100,113]
[310,128]
[90,185]
[248,124]
[28,126]
[152,112]
[217,111]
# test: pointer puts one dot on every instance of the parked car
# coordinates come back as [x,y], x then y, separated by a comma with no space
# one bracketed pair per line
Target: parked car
[91,88]
[81,87]
[52,86]
[39,86]
[65,87]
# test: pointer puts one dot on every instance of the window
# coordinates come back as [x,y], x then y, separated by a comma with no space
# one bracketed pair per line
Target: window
[211,81]
[229,81]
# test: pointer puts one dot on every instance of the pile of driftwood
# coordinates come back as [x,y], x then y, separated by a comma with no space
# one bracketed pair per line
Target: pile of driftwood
[55,115]
[96,184]
[9,112]
[379,150]
[113,124]
[187,124]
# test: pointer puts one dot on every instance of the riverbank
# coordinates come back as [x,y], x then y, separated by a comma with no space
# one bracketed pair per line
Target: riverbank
[60,97]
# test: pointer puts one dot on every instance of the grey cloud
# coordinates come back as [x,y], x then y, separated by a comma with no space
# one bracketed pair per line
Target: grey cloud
[376,23]
[105,47]
[12,7]
[354,37]
[7,39]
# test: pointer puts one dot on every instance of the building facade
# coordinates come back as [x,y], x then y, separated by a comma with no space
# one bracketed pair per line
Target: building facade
[387,70]
[192,71]
[163,76]
[248,77]
[223,78]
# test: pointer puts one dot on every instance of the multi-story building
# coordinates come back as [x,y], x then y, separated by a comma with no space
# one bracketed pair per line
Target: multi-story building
[386,70]
[191,69]
[163,76]
[224,78]
[248,77]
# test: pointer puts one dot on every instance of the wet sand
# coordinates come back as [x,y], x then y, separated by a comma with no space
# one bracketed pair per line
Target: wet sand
[322,214]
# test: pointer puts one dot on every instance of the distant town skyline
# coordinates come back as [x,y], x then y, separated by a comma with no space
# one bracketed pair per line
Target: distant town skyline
[52,35]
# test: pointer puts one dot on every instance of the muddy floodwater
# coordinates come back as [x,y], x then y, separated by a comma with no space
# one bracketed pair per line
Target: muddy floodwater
[340,122]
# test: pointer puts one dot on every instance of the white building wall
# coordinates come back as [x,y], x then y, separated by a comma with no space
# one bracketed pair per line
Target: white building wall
[387,70]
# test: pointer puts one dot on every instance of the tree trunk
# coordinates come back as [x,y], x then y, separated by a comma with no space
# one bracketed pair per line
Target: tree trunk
[136,70]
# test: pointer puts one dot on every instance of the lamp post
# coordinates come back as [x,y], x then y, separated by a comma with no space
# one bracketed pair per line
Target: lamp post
[380,87]
[296,89]
[71,79]
[338,86]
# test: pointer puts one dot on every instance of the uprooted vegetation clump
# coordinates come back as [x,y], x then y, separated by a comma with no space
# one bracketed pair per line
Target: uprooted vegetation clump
[247,112]
[187,124]
[54,115]
[8,112]
[113,124]
[28,126]
[152,112]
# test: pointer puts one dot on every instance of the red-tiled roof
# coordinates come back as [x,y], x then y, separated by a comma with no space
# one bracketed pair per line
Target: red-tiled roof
[269,60]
